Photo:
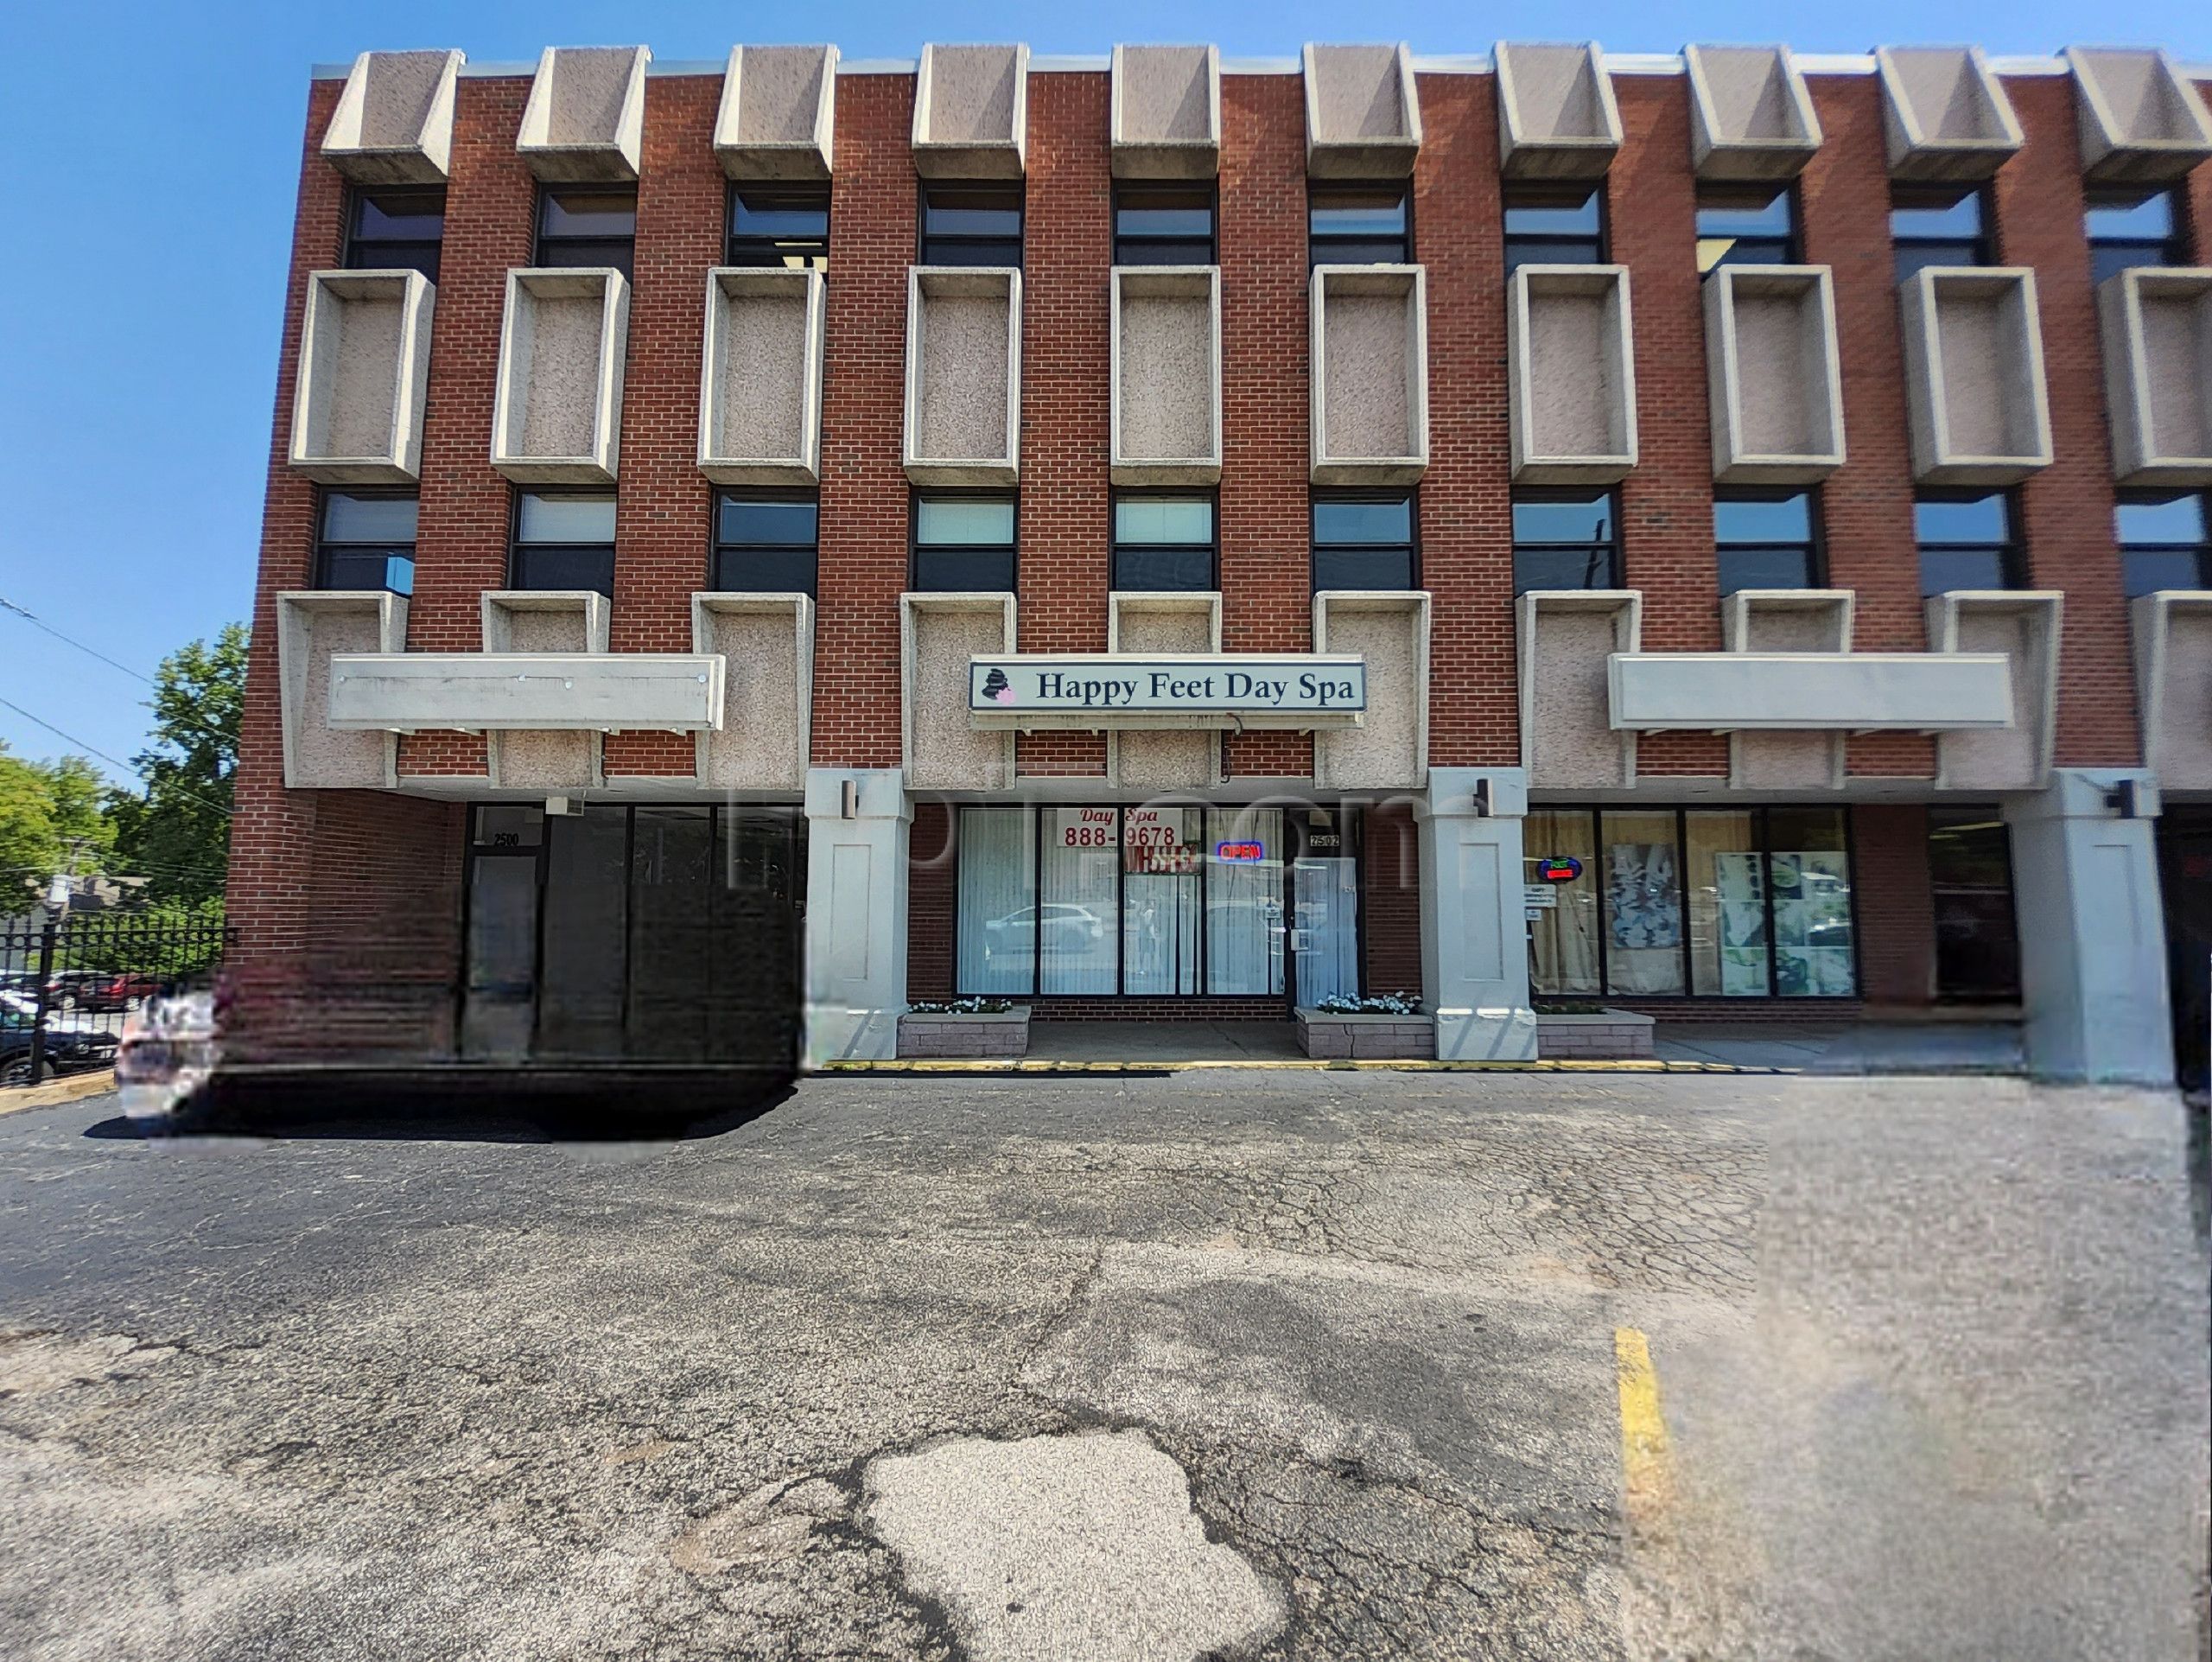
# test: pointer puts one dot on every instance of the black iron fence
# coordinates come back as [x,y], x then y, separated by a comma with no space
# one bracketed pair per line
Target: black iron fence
[68,988]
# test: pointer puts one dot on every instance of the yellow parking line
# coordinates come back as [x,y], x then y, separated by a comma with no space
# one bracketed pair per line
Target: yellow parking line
[1646,1456]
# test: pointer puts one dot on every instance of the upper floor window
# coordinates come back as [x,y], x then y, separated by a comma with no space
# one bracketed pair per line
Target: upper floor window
[1747,224]
[764,542]
[1967,541]
[366,540]
[971,225]
[1554,225]
[964,543]
[1364,539]
[2132,227]
[587,224]
[779,224]
[1358,225]
[1766,539]
[564,540]
[1164,224]
[395,227]
[2165,542]
[1163,542]
[1564,539]
[1934,226]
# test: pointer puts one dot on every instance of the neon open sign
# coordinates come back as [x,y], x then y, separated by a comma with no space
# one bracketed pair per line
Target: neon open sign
[1240,853]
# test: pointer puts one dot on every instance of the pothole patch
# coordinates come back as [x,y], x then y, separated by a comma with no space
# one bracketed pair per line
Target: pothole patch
[1053,1547]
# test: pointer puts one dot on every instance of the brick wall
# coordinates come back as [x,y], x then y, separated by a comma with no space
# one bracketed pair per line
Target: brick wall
[1897,905]
[932,883]
[1390,899]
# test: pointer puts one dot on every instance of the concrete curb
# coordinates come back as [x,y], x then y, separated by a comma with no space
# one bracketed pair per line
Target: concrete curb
[1166,1066]
[73,1089]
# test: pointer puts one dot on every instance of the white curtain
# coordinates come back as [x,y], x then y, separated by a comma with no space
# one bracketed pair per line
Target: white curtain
[1328,929]
[1160,907]
[1075,912]
[1244,924]
[998,895]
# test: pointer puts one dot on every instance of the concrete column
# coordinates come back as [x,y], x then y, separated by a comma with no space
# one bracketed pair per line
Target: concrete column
[1474,934]
[2093,948]
[856,973]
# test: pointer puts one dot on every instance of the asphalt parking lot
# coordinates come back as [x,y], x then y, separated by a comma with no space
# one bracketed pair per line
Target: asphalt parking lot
[1286,1364]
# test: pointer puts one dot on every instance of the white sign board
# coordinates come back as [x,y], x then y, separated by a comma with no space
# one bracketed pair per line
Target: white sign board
[1539,895]
[1104,690]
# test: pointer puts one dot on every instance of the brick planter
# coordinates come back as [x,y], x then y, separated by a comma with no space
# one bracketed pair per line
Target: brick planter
[1385,1038]
[1608,1035]
[954,1034]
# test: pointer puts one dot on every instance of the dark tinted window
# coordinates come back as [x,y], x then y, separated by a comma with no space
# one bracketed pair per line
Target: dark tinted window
[1970,880]
[764,544]
[1938,227]
[1163,224]
[367,541]
[1765,541]
[2165,542]
[1965,542]
[587,224]
[779,224]
[964,543]
[564,540]
[1364,542]
[2131,227]
[1358,225]
[1553,226]
[1564,539]
[971,225]
[1746,224]
[1163,542]
[396,228]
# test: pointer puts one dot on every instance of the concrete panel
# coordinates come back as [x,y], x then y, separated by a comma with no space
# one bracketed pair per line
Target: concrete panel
[1166,375]
[1944,114]
[761,387]
[1165,113]
[312,627]
[586,115]
[778,112]
[971,111]
[1975,391]
[556,624]
[2141,121]
[1164,624]
[2173,676]
[1557,117]
[1362,112]
[1565,639]
[2024,625]
[1571,374]
[1840,691]
[1787,620]
[1389,748]
[524,692]
[766,643]
[963,375]
[2156,325]
[1775,379]
[1751,116]
[2093,972]
[938,634]
[1369,381]
[1473,932]
[393,125]
[562,346]
[365,365]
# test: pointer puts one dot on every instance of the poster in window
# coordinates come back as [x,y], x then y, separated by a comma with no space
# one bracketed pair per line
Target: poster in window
[1812,924]
[1643,895]
[1741,884]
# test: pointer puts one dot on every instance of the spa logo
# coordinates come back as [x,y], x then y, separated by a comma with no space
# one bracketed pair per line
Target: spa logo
[995,687]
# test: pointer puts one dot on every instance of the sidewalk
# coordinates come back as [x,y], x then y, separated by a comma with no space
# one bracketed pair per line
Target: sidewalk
[1849,1048]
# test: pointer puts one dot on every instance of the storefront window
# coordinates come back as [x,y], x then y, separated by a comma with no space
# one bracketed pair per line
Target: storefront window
[1078,898]
[1325,895]
[1809,873]
[1563,935]
[1727,899]
[1161,900]
[1970,882]
[1644,904]
[1244,927]
[997,947]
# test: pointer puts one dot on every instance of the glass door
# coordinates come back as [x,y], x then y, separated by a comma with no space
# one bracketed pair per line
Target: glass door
[1324,897]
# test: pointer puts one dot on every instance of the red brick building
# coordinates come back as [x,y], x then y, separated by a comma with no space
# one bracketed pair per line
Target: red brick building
[752,546]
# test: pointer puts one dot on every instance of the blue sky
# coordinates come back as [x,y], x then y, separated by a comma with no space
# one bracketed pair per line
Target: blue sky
[154,152]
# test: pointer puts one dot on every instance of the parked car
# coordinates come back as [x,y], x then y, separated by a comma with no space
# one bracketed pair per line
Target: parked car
[72,1043]
[116,992]
[67,989]
[1066,929]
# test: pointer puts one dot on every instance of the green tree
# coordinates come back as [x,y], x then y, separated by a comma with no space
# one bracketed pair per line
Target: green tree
[177,834]
[53,817]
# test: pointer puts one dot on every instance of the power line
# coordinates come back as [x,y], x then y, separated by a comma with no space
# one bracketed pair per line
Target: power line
[37,622]
[214,807]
